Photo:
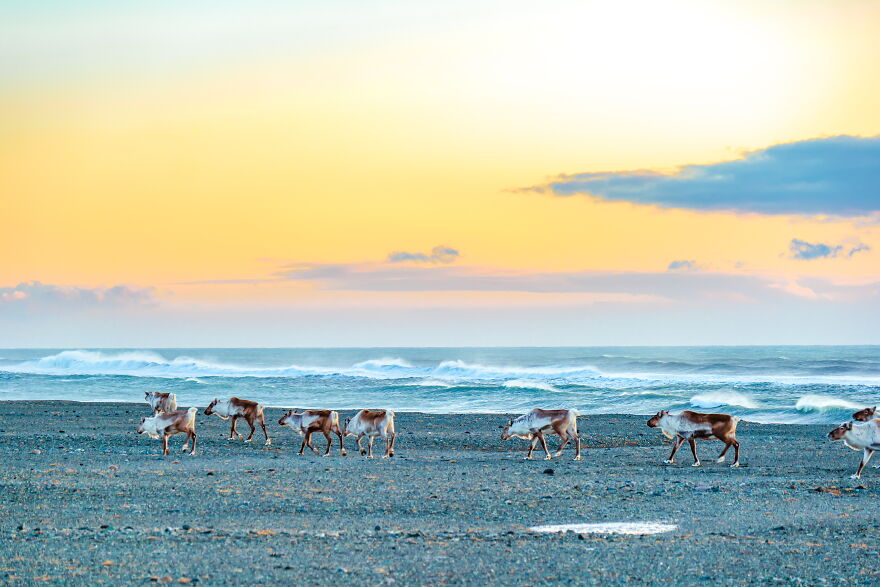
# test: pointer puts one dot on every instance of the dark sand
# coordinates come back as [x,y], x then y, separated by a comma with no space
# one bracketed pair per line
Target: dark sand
[98,504]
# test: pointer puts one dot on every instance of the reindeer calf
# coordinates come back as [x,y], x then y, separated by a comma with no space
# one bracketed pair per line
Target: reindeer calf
[169,424]
[864,436]
[311,421]
[533,425]
[236,408]
[372,423]
[692,425]
[161,402]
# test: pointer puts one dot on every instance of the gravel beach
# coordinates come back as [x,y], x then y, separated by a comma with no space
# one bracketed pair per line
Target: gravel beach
[85,499]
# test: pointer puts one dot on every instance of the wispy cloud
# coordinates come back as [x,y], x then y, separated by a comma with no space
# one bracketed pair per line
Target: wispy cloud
[837,176]
[670,286]
[682,265]
[36,295]
[808,251]
[439,254]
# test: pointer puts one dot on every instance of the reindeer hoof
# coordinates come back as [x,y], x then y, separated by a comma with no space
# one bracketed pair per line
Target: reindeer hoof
[668,462]
[344,453]
[579,458]
[734,465]
[528,458]
[192,454]
[548,458]
[855,476]
[697,464]
[248,440]
[363,453]
[719,460]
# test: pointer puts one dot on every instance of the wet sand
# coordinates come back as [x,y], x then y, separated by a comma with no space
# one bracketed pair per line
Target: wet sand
[85,499]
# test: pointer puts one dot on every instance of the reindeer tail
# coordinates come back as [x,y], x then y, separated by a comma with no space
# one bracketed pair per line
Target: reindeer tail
[191,414]
[734,420]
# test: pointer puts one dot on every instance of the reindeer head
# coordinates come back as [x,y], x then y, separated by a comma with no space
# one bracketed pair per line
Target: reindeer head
[655,419]
[141,426]
[345,427]
[285,419]
[505,430]
[210,409]
[865,415]
[840,432]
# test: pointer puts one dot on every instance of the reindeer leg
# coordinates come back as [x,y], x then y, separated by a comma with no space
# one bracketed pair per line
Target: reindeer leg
[265,432]
[165,445]
[361,449]
[675,446]
[577,439]
[341,441]
[312,446]
[735,443]
[393,437]
[193,451]
[329,442]
[693,442]
[250,422]
[727,445]
[866,456]
[543,440]
[532,447]
[564,438]
[370,440]
[233,431]
[302,448]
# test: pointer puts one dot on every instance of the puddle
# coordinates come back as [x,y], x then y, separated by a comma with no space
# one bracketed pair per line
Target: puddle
[636,528]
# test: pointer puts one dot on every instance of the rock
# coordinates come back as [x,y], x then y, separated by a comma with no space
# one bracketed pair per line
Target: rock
[549,472]
[36,451]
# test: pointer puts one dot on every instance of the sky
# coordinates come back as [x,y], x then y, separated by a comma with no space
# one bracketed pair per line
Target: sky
[455,173]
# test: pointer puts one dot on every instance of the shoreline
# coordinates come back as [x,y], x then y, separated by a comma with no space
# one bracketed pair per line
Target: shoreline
[96,502]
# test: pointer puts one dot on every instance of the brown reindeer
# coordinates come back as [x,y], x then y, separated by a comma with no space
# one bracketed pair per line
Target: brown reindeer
[160,401]
[311,421]
[236,408]
[169,424]
[692,425]
[372,423]
[533,426]
[865,415]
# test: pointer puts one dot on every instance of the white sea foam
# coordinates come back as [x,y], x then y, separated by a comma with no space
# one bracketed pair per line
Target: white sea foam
[723,397]
[530,384]
[821,403]
[632,528]
[384,363]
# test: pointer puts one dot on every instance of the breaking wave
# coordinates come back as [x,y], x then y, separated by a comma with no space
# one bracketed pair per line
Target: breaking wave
[821,403]
[723,397]
[799,385]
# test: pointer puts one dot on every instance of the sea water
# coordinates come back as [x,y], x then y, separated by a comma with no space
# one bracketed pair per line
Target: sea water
[785,384]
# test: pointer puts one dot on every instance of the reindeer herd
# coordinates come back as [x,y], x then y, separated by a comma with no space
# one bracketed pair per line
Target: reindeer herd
[862,432]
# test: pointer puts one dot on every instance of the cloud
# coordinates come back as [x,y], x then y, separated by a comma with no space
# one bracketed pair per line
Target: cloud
[687,286]
[682,265]
[439,254]
[861,247]
[837,176]
[808,251]
[36,295]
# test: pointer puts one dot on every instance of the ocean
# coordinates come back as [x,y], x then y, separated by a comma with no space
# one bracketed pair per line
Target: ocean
[781,384]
